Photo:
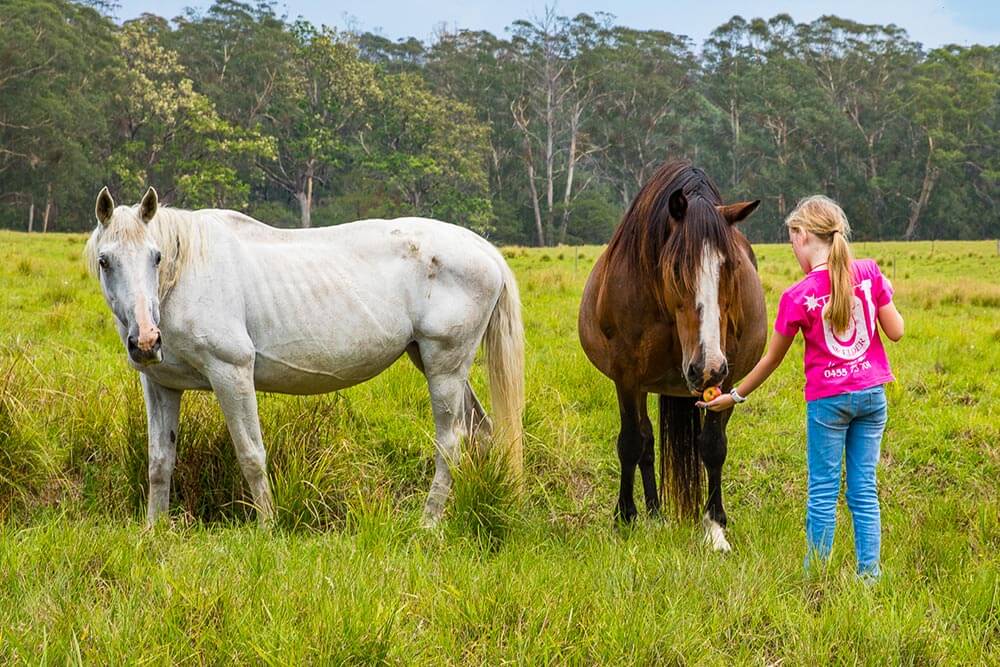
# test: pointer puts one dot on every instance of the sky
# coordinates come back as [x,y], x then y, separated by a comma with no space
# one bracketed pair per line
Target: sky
[931,22]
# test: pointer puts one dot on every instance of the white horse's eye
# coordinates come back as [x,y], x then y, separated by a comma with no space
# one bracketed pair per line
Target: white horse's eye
[102,261]
[156,258]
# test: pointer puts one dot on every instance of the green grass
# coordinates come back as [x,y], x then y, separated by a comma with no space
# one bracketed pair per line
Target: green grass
[349,577]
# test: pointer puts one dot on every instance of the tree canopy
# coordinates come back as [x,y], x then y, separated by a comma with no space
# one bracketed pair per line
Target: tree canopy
[539,136]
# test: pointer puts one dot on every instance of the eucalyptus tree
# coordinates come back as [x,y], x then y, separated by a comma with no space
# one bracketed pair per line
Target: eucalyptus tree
[239,55]
[646,104]
[863,71]
[329,94]
[430,152]
[166,132]
[776,121]
[54,56]
[478,68]
[555,91]
[955,92]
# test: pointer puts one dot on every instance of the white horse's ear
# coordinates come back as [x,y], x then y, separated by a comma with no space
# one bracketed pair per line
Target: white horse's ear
[105,206]
[147,209]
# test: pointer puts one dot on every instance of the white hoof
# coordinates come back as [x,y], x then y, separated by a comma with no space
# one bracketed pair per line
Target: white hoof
[715,535]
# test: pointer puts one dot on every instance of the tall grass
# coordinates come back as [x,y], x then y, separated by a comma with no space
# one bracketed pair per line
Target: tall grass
[27,464]
[349,577]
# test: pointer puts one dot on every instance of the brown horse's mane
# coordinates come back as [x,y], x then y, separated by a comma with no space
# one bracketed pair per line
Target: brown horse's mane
[664,256]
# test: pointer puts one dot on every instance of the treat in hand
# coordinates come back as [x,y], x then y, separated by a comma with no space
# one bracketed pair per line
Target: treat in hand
[711,394]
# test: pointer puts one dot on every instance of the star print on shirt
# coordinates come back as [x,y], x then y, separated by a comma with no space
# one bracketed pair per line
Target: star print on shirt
[812,303]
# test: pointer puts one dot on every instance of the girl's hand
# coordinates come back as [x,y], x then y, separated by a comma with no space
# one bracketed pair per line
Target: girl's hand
[718,404]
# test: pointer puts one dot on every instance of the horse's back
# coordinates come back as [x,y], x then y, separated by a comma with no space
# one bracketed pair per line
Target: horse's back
[332,307]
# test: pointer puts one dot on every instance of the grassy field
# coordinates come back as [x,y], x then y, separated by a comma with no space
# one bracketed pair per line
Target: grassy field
[348,577]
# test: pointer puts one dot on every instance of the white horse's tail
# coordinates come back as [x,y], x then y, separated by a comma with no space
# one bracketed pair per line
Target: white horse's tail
[504,342]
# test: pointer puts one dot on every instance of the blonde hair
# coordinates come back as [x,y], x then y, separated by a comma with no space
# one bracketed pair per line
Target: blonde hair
[823,217]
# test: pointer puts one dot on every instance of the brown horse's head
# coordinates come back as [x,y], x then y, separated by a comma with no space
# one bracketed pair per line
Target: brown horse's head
[685,247]
[699,264]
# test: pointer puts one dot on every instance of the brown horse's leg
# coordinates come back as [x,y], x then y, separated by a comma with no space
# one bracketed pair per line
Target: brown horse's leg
[629,449]
[713,446]
[647,459]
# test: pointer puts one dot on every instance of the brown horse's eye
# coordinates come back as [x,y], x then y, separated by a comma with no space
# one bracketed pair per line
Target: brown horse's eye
[156,258]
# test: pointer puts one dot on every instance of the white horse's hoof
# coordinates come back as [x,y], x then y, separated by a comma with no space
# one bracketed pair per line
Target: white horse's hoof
[715,535]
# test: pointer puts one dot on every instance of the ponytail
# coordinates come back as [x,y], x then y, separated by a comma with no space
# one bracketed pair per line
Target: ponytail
[823,217]
[838,311]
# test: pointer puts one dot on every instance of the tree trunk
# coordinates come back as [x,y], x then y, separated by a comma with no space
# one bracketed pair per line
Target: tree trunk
[570,168]
[917,207]
[305,208]
[734,121]
[31,217]
[48,209]
[549,154]
[877,195]
[529,160]
[539,227]
[305,197]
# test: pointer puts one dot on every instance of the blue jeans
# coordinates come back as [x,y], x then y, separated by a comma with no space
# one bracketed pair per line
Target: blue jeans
[848,426]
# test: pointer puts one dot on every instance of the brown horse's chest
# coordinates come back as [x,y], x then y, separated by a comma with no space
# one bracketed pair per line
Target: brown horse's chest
[643,355]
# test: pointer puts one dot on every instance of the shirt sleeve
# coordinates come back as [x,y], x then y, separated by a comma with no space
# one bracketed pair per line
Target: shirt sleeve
[882,289]
[789,318]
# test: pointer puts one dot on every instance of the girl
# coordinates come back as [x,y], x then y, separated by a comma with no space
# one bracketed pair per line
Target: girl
[836,307]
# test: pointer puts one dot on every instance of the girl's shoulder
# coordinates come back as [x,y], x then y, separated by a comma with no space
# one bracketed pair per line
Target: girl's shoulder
[866,268]
[804,284]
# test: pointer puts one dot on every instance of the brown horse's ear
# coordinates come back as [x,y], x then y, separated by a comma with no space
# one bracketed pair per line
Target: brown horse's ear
[105,206]
[677,204]
[734,213]
[147,209]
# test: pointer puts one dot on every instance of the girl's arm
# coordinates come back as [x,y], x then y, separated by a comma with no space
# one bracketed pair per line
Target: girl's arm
[891,321]
[776,351]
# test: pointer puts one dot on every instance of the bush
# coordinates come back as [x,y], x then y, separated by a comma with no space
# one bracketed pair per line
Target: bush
[276,214]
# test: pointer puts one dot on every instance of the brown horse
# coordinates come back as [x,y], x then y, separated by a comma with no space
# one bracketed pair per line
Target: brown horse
[674,305]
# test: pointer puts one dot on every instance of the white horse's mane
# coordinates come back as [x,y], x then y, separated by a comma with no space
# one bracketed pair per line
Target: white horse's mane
[178,233]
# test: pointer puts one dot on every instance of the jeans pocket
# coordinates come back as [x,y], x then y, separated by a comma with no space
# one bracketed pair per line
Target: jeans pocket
[878,404]
[832,412]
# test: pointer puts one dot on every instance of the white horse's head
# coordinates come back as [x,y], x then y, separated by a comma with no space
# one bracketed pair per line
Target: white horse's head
[126,259]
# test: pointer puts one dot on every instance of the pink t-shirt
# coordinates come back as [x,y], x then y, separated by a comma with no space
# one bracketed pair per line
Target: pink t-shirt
[834,364]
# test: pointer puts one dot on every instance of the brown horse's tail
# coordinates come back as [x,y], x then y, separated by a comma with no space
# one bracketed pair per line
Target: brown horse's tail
[680,460]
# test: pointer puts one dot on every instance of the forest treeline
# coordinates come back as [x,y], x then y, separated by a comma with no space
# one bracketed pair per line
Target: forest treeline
[540,136]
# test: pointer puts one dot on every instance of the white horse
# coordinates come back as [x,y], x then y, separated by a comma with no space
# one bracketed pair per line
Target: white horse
[216,300]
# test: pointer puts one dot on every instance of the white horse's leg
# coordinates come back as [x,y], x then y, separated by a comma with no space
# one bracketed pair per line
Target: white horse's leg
[477,422]
[163,407]
[447,402]
[234,387]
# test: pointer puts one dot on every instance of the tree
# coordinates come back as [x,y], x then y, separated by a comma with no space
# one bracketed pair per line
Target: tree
[316,124]
[646,92]
[430,152]
[556,91]
[542,135]
[953,93]
[477,68]
[51,118]
[168,133]
[863,71]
